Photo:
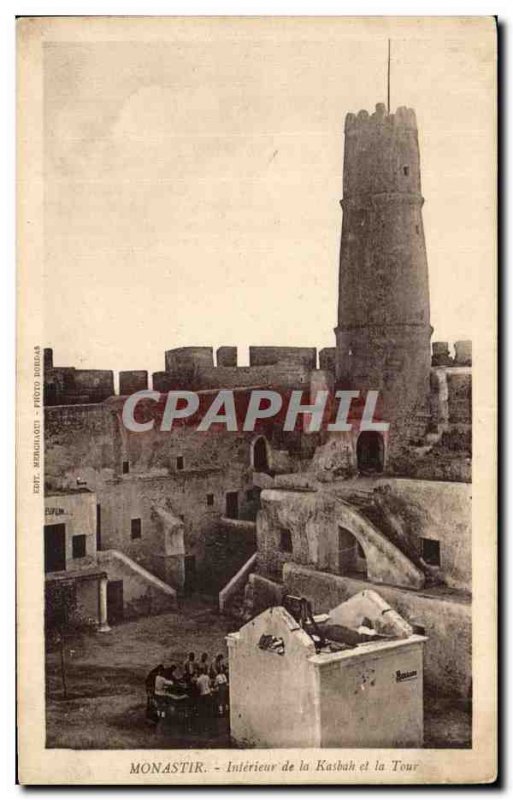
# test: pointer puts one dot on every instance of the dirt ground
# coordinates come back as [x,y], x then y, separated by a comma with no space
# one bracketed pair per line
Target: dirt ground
[106,697]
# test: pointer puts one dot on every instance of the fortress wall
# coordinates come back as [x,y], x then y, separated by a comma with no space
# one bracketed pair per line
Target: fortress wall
[276,376]
[328,359]
[460,396]
[267,356]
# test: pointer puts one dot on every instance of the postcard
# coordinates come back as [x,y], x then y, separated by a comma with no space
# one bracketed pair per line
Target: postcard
[257,400]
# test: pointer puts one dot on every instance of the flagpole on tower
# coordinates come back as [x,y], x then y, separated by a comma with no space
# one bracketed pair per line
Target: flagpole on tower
[388,79]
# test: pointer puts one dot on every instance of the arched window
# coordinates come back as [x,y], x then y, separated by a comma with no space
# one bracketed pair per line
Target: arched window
[370,452]
[260,461]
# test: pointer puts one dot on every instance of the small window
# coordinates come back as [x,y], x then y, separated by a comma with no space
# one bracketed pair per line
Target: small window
[431,551]
[285,540]
[210,499]
[406,170]
[126,467]
[135,529]
[179,462]
[78,544]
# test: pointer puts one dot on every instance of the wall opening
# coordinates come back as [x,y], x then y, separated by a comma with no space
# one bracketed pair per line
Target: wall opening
[115,603]
[406,170]
[285,540]
[430,550]
[135,528]
[189,566]
[210,499]
[232,505]
[259,455]
[126,467]
[179,462]
[370,452]
[351,555]
[78,546]
[98,526]
[55,548]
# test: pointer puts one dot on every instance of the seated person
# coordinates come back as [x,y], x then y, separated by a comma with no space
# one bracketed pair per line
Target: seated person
[151,676]
[163,686]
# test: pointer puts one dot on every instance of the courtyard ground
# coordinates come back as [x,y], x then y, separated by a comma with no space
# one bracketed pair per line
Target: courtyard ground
[106,697]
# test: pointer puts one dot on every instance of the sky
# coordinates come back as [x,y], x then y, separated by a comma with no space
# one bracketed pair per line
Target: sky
[192,183]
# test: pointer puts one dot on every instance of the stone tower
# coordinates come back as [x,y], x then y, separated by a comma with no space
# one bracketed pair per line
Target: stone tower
[383,333]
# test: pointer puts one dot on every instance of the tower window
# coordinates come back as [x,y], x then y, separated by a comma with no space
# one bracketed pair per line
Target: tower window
[406,170]
[126,467]
[78,544]
[210,499]
[430,549]
[135,528]
[179,462]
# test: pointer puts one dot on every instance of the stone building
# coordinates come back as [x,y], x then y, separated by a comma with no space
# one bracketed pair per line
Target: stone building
[85,586]
[346,690]
[327,514]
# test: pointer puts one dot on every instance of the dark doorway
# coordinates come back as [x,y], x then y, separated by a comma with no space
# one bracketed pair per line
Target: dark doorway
[260,462]
[114,602]
[370,452]
[232,505]
[55,548]
[351,557]
[189,582]
[98,526]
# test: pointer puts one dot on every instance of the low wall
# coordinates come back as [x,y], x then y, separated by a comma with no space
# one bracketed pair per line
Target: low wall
[143,593]
[446,619]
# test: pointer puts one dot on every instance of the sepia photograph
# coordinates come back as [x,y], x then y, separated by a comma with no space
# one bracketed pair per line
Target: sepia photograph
[256,355]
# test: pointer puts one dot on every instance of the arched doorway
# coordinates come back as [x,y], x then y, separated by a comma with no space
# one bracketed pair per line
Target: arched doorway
[351,556]
[370,452]
[260,460]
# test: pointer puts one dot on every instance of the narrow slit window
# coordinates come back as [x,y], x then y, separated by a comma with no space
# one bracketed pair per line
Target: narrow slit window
[285,540]
[126,467]
[406,170]
[135,528]
[179,462]
[210,499]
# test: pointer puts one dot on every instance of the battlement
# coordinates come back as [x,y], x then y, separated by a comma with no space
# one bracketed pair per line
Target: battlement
[187,368]
[70,386]
[270,356]
[381,160]
[363,122]
[462,354]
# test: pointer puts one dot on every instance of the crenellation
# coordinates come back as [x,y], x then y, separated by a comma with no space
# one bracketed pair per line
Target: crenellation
[131,381]
[441,356]
[226,356]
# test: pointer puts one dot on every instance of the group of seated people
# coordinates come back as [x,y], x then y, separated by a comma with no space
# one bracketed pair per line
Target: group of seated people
[199,689]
